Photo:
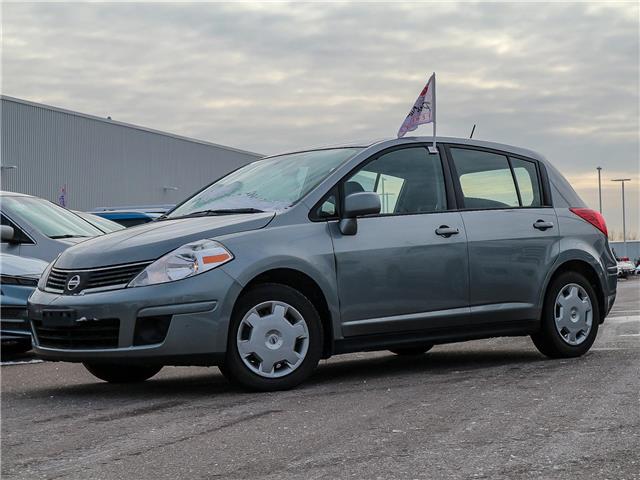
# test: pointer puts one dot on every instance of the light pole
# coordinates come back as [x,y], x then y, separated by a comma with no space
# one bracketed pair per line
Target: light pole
[624,225]
[599,189]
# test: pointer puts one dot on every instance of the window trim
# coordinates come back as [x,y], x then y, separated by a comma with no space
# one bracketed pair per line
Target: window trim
[542,179]
[536,165]
[450,197]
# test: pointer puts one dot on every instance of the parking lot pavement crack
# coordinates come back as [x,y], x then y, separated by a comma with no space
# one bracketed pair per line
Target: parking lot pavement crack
[137,411]
[229,424]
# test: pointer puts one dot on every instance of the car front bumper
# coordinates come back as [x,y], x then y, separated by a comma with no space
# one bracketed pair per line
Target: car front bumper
[199,308]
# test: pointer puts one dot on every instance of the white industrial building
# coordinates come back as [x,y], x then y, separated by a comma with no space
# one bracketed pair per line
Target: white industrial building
[98,162]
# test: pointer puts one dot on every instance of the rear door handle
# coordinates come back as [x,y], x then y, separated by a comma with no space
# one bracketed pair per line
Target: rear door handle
[542,225]
[446,231]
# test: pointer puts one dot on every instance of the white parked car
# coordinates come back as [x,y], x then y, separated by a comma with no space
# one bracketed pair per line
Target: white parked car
[625,267]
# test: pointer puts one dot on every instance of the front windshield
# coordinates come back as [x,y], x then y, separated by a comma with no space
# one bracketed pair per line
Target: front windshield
[267,185]
[103,224]
[48,218]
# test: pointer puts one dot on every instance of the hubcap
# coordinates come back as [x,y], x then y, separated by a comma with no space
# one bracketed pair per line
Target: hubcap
[573,314]
[273,339]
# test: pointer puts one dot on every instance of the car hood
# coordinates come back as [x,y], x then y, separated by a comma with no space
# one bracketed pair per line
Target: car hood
[152,240]
[21,266]
[72,240]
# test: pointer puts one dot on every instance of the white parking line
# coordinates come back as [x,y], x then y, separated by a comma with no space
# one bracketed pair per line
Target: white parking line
[21,362]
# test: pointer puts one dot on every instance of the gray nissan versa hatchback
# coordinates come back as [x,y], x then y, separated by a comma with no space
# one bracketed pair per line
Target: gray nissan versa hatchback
[298,257]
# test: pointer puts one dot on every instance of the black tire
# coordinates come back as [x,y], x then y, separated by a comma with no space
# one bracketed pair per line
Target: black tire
[235,370]
[122,373]
[548,340]
[411,351]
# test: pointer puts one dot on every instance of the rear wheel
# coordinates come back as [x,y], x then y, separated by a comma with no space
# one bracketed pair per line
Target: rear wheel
[275,339]
[412,350]
[122,373]
[570,317]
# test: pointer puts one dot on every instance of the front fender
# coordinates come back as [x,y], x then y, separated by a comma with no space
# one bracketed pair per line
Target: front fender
[305,247]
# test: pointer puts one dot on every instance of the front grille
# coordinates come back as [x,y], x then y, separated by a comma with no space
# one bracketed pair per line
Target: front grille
[101,333]
[56,280]
[114,276]
[106,278]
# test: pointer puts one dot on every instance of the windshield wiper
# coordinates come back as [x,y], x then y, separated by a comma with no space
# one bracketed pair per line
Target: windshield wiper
[67,236]
[220,211]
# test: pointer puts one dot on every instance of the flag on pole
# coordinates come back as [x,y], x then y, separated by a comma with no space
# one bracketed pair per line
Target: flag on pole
[62,199]
[423,110]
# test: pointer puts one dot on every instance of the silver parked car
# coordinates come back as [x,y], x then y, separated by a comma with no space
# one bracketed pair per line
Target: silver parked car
[37,228]
[301,256]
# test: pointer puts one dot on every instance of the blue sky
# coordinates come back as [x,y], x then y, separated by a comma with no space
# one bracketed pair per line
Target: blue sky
[561,78]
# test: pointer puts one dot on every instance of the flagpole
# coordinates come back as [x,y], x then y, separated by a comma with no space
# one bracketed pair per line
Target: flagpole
[434,112]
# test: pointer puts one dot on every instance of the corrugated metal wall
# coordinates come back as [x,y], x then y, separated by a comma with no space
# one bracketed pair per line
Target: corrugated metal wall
[103,163]
[632,249]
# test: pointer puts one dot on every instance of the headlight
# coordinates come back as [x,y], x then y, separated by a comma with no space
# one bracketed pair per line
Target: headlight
[186,261]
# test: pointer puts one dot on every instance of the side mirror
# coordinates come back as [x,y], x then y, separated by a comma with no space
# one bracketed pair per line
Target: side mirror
[7,234]
[357,205]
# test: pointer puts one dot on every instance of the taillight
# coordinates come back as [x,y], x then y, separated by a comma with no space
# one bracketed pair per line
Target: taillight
[594,217]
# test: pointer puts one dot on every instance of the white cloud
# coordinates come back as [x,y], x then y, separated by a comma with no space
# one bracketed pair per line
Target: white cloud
[559,78]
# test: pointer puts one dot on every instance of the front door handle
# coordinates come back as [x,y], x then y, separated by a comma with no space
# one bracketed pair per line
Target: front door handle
[446,231]
[542,225]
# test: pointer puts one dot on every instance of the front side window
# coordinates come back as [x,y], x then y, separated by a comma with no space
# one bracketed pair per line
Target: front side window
[18,234]
[485,179]
[48,218]
[270,184]
[408,180]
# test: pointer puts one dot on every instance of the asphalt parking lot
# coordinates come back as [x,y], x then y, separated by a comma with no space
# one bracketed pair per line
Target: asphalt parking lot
[483,409]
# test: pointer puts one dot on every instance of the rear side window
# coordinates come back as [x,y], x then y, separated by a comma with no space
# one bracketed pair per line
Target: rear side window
[485,179]
[526,175]
[408,180]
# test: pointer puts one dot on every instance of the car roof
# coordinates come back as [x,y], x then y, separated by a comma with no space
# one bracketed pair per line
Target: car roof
[382,143]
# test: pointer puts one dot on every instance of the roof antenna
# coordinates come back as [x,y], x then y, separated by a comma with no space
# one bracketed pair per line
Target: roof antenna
[472,130]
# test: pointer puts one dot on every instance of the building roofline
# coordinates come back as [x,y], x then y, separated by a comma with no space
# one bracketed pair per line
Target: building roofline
[125,124]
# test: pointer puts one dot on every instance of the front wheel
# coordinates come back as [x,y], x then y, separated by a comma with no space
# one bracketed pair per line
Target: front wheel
[275,339]
[570,317]
[121,373]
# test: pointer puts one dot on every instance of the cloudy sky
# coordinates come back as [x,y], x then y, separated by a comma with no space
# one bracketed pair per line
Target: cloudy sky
[562,79]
